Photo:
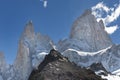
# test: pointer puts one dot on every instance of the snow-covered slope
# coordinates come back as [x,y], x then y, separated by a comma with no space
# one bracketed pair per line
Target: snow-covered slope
[109,57]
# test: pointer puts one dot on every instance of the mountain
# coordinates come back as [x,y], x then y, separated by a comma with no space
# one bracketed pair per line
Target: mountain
[57,67]
[86,35]
[89,44]
[86,53]
[32,49]
[23,58]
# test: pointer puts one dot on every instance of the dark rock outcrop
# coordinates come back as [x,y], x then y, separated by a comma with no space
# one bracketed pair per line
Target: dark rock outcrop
[98,67]
[57,67]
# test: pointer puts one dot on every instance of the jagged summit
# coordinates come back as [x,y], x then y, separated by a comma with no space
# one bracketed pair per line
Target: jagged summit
[32,49]
[86,12]
[29,30]
[29,27]
[87,34]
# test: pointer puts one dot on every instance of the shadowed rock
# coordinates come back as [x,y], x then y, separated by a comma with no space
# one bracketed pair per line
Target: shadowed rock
[57,67]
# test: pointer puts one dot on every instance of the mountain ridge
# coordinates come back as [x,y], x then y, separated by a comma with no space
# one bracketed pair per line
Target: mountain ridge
[88,43]
[57,67]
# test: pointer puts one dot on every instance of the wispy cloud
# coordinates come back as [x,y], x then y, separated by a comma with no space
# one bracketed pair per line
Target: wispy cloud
[110,15]
[45,3]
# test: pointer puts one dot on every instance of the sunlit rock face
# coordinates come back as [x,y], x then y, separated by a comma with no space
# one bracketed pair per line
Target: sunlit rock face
[87,34]
[23,62]
[32,49]
[29,31]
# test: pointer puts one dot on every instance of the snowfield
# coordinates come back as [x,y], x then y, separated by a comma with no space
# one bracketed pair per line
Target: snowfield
[111,77]
[109,58]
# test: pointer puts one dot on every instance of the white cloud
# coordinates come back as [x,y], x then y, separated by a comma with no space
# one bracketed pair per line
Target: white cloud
[112,14]
[101,6]
[112,29]
[45,3]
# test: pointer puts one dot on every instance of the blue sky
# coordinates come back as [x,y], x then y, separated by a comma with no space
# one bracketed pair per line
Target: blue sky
[51,17]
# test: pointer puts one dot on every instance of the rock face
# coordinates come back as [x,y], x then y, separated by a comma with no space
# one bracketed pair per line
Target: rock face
[29,31]
[98,69]
[87,35]
[23,62]
[32,49]
[57,67]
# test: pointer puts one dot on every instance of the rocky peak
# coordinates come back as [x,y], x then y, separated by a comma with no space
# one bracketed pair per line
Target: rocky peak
[29,28]
[57,67]
[86,28]
[87,12]
[28,31]
[52,56]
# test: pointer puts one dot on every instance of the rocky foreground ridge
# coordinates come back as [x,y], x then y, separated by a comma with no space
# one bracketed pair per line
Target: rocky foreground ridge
[57,67]
[88,45]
